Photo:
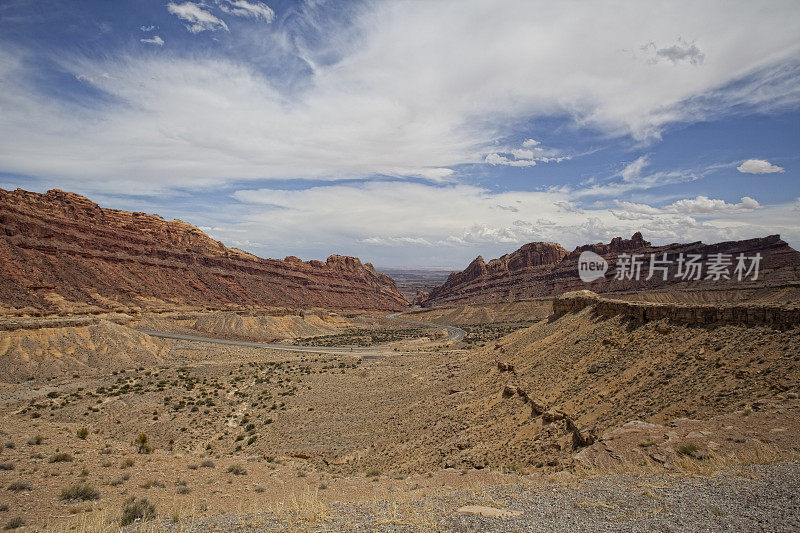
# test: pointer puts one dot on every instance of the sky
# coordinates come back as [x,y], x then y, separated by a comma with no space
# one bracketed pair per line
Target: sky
[411,133]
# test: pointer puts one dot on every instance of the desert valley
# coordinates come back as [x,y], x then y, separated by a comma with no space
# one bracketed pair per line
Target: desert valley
[154,379]
[399,266]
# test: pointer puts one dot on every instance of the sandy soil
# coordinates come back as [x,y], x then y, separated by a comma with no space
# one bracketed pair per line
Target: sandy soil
[309,441]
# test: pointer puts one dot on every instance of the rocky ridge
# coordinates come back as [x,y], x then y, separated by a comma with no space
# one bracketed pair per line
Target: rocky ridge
[750,315]
[542,270]
[62,253]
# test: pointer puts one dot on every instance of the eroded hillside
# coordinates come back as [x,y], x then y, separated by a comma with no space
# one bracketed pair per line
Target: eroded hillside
[523,398]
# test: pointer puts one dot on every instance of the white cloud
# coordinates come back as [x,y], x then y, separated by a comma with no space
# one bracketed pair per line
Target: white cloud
[705,205]
[103,76]
[634,208]
[197,18]
[633,177]
[527,156]
[701,205]
[243,8]
[399,213]
[406,88]
[633,171]
[497,159]
[148,28]
[568,207]
[155,40]
[398,219]
[758,166]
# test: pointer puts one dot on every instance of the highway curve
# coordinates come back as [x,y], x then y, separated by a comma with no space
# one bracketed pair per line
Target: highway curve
[454,334]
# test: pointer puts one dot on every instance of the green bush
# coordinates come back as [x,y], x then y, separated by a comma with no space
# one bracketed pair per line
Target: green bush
[82,433]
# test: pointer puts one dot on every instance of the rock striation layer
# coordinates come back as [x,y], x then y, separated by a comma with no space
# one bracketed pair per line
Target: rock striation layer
[540,270]
[62,253]
[778,317]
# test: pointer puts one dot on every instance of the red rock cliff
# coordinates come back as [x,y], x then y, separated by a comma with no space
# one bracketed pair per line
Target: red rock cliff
[508,275]
[60,251]
[546,269]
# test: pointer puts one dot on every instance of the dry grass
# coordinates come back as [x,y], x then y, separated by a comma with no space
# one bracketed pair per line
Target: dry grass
[685,464]
[302,509]
[401,510]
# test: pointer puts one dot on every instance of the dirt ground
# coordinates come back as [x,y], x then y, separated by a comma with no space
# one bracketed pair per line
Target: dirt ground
[306,437]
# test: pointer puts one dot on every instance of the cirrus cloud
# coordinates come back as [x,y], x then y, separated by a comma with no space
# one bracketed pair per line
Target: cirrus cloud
[252,10]
[197,19]
[156,40]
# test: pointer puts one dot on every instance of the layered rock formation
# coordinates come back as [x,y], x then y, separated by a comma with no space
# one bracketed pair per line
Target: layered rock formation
[779,317]
[62,253]
[546,269]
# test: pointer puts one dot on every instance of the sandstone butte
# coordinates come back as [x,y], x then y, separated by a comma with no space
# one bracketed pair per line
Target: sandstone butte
[543,269]
[62,253]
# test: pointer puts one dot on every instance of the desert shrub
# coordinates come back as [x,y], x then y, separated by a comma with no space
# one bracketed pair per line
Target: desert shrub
[192,466]
[61,457]
[141,444]
[207,463]
[510,468]
[80,492]
[14,523]
[6,466]
[19,486]
[252,439]
[134,510]
[373,472]
[82,433]
[689,449]
[184,490]
[10,445]
[153,483]
[237,470]
[127,463]
[35,441]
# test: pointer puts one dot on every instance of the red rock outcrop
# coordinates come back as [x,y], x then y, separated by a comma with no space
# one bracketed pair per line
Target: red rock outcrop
[503,279]
[546,269]
[61,252]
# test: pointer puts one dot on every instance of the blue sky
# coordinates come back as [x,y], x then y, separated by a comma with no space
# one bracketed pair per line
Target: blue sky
[411,133]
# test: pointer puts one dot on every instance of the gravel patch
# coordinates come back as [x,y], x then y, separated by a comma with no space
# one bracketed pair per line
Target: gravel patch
[755,498]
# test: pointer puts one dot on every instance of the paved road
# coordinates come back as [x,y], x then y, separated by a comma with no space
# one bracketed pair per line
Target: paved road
[367,352]
[455,334]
